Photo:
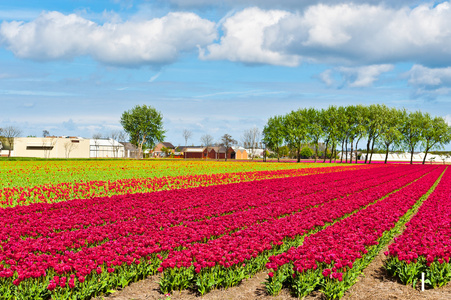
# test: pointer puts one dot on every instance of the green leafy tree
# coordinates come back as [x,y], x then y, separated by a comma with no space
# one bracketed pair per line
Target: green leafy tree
[435,133]
[412,132]
[373,124]
[358,128]
[273,134]
[391,134]
[329,125]
[144,126]
[306,152]
[295,130]
[344,127]
[315,131]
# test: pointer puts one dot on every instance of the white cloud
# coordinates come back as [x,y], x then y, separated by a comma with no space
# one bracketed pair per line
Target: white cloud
[244,36]
[154,77]
[364,76]
[326,77]
[448,119]
[288,4]
[157,41]
[340,34]
[423,76]
[430,82]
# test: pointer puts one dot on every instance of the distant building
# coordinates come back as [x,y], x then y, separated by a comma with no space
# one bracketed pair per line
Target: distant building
[157,151]
[240,153]
[214,152]
[67,147]
[130,150]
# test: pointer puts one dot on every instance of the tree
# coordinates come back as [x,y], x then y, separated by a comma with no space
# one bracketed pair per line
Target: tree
[295,130]
[207,141]
[435,133]
[96,137]
[187,134]
[115,137]
[315,131]
[144,125]
[9,133]
[47,144]
[273,134]
[45,133]
[373,123]
[329,125]
[358,129]
[228,142]
[69,146]
[391,135]
[411,131]
[306,152]
[251,138]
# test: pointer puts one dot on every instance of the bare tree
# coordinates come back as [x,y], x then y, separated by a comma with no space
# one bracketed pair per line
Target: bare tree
[69,146]
[227,141]
[45,133]
[115,137]
[207,141]
[96,137]
[251,138]
[47,145]
[8,134]
[122,137]
[187,134]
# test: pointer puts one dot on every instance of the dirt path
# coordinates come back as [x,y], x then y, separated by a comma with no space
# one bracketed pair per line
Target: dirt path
[374,284]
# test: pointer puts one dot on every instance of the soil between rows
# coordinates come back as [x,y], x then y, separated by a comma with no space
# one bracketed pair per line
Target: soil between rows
[374,284]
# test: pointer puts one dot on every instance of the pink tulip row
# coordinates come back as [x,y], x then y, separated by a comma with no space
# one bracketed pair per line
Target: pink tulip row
[239,254]
[334,257]
[425,245]
[51,193]
[81,236]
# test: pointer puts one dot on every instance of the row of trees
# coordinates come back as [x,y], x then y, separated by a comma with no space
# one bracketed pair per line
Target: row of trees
[378,125]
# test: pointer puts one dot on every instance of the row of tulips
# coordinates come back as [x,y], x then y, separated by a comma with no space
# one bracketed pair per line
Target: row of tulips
[333,258]
[179,205]
[425,245]
[35,259]
[51,193]
[226,261]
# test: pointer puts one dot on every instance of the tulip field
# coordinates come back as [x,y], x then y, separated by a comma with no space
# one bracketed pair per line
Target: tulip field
[25,182]
[204,226]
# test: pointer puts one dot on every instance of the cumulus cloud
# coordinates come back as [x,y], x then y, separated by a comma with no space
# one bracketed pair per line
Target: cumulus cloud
[157,41]
[430,82]
[340,34]
[423,76]
[365,34]
[244,36]
[287,4]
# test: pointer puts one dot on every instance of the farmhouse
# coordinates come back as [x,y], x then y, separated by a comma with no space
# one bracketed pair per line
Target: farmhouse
[158,150]
[212,152]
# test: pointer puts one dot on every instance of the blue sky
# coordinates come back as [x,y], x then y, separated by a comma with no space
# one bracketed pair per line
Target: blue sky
[73,67]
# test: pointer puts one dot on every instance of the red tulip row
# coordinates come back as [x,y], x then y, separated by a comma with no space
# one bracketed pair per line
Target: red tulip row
[334,257]
[179,206]
[130,229]
[120,251]
[227,260]
[425,245]
[52,193]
